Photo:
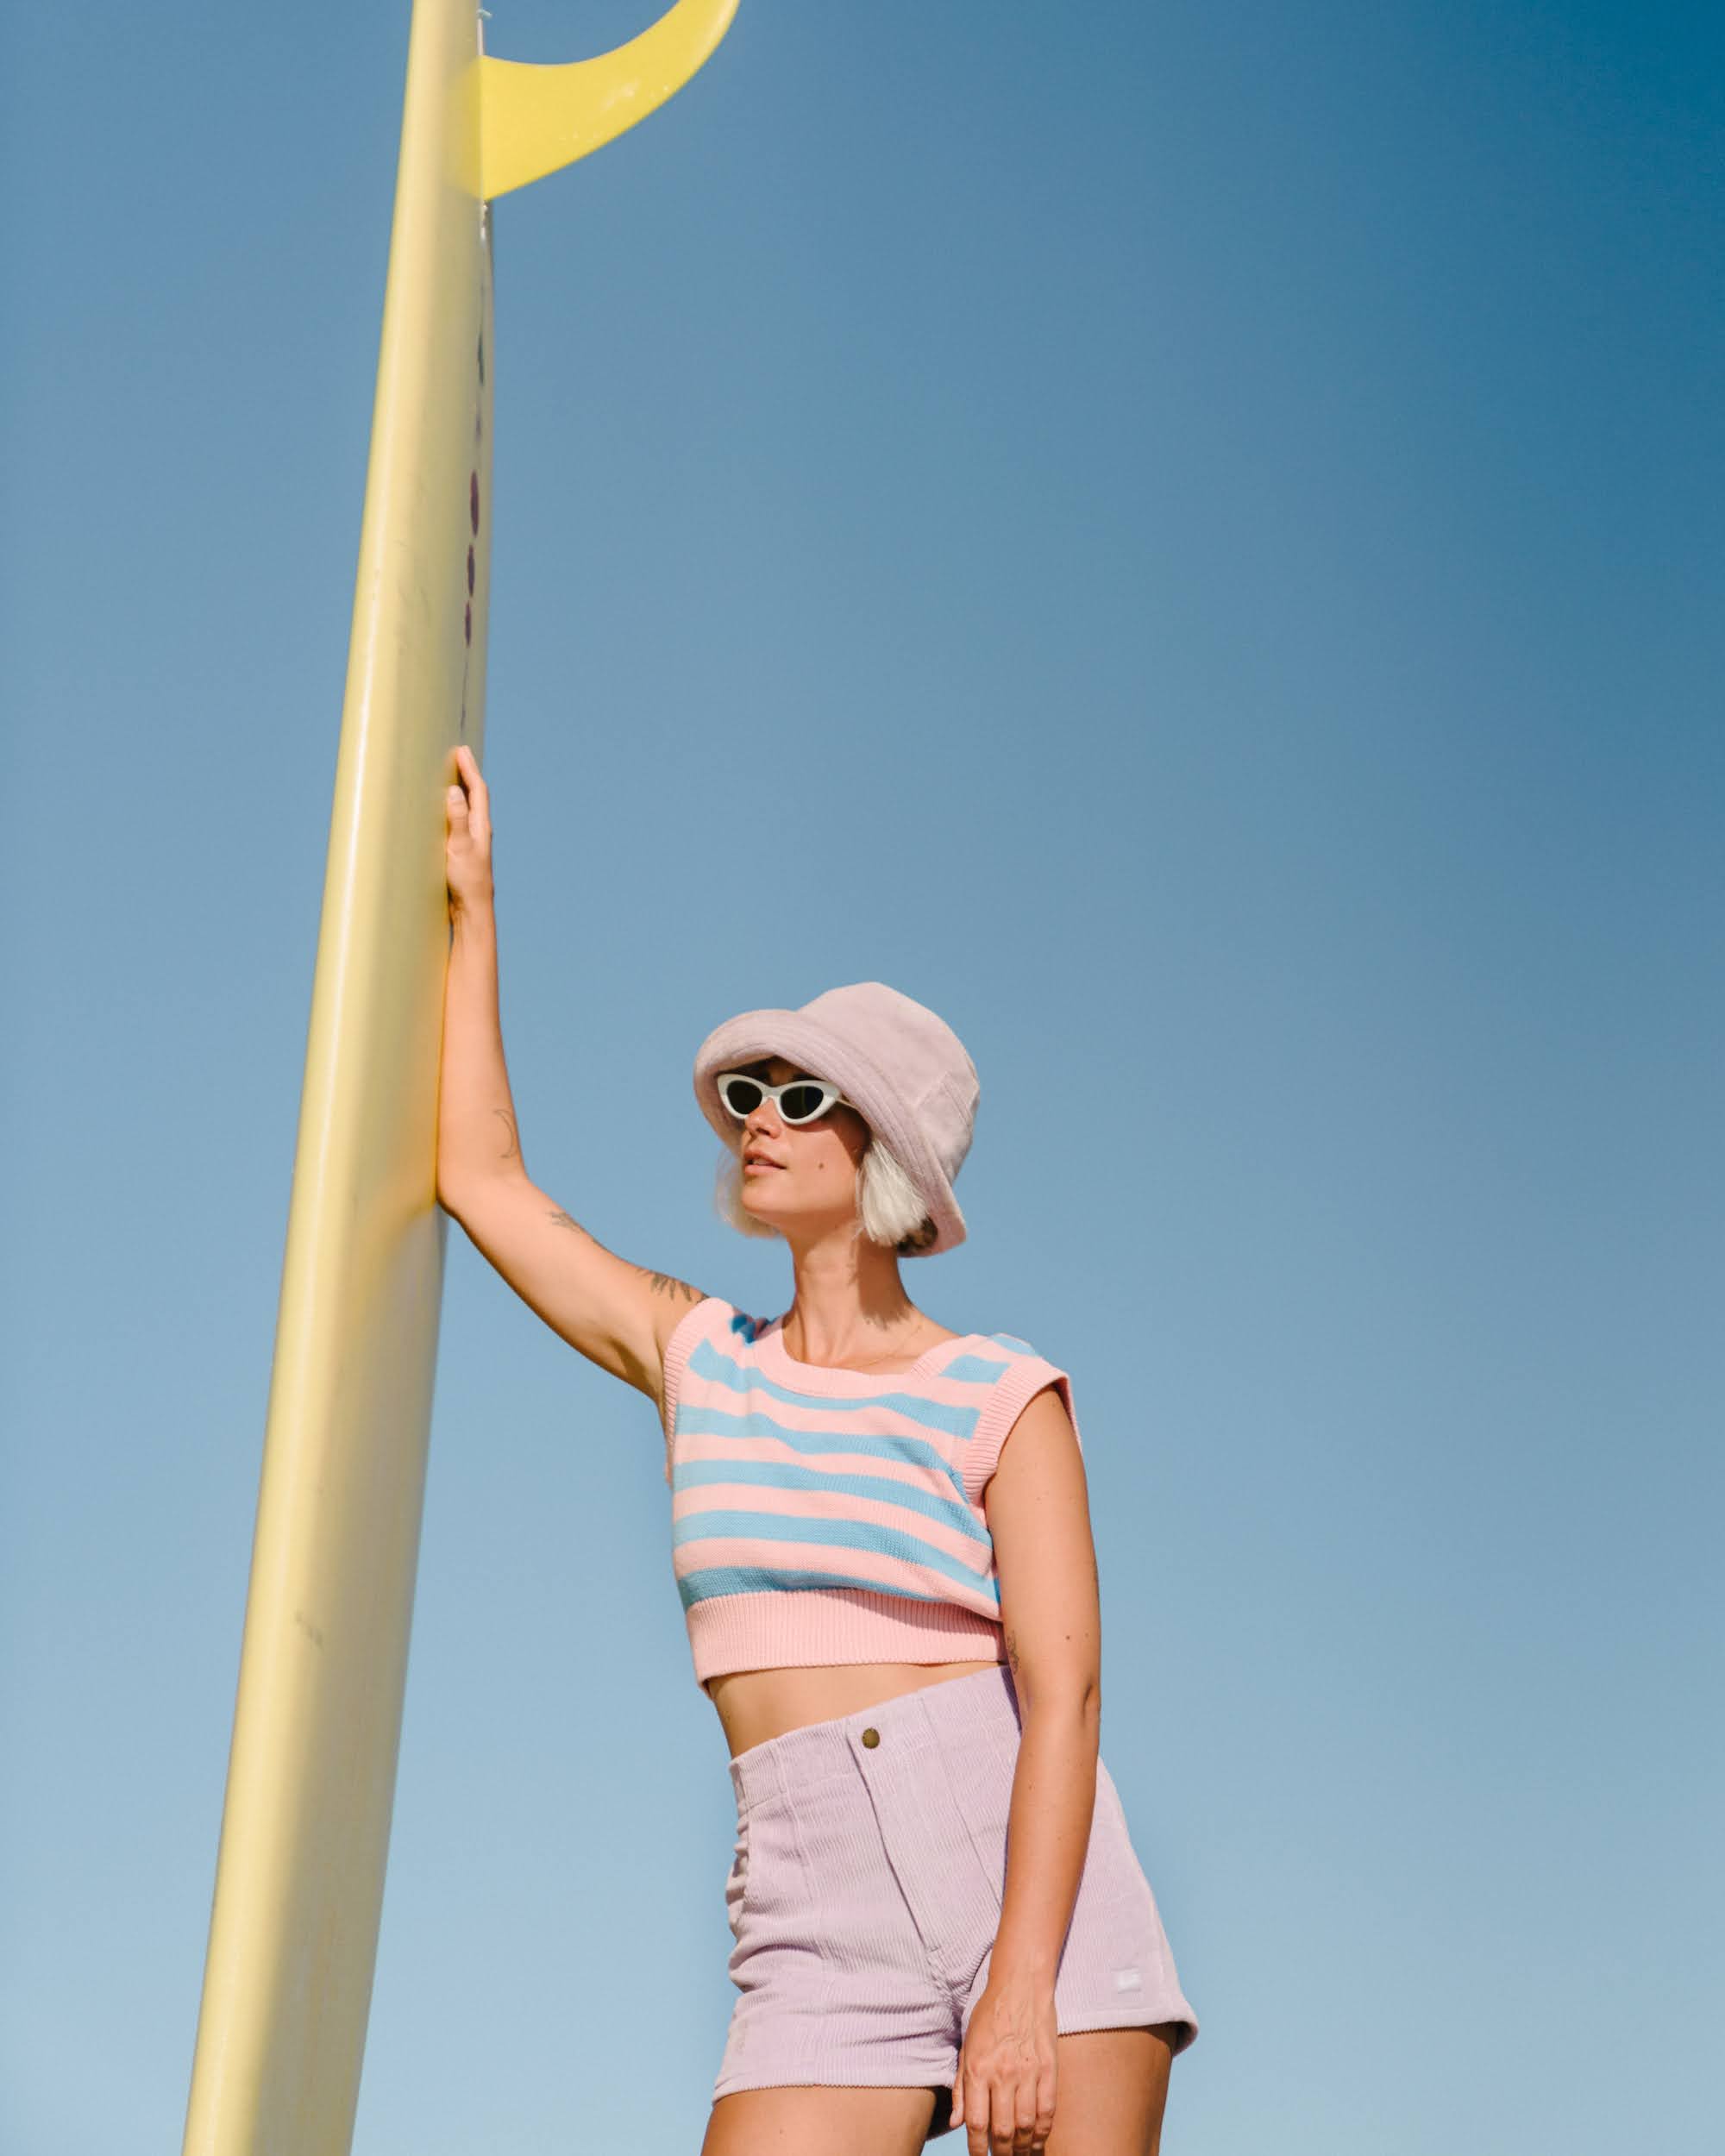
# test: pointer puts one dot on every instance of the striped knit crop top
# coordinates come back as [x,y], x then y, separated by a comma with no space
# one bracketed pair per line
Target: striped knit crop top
[821,1516]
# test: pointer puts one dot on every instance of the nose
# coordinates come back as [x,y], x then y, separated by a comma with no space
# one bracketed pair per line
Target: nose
[762,1121]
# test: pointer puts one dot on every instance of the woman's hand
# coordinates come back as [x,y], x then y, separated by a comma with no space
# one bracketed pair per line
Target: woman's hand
[1003,2094]
[467,853]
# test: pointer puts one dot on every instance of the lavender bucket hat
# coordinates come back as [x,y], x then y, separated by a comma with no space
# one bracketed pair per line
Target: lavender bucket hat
[903,1069]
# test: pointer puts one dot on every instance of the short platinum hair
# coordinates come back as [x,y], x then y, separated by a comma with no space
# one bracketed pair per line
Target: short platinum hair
[889,1207]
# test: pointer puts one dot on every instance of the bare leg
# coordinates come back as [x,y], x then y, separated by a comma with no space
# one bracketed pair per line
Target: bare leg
[1111,2088]
[836,2121]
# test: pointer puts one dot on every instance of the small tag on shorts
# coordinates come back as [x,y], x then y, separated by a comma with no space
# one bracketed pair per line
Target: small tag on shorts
[1127,1980]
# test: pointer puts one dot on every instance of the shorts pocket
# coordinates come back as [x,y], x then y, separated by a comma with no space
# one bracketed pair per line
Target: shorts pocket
[979,1775]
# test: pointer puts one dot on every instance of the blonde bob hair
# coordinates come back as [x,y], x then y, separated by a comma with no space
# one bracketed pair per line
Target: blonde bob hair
[889,1207]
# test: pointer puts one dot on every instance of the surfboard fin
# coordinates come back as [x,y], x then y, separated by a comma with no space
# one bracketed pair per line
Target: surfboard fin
[535,120]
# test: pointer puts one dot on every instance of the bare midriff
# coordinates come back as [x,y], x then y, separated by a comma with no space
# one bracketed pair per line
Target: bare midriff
[755,1706]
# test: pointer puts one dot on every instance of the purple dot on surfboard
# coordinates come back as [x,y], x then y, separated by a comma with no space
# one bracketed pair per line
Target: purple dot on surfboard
[474,497]
[470,568]
[470,621]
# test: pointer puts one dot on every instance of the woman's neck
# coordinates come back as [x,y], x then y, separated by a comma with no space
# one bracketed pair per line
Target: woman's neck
[850,1307]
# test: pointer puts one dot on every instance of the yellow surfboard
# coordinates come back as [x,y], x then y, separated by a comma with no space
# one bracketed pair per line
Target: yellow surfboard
[311,1770]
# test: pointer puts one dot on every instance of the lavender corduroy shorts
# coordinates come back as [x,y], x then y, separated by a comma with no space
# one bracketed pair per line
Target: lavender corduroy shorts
[865,1890]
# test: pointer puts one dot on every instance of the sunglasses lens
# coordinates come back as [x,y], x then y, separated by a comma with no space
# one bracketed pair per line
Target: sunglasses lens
[742,1095]
[801,1104]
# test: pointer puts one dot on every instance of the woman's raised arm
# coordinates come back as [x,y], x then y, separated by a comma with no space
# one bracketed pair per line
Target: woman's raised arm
[618,1315]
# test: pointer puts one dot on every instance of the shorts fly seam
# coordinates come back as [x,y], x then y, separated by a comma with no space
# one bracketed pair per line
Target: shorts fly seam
[942,1985]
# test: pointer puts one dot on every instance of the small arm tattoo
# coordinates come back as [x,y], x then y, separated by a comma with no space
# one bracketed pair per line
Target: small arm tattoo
[660,1283]
[668,1284]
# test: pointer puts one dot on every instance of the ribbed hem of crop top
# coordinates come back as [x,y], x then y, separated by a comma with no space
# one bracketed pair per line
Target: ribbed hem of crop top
[817,1628]
[938,1598]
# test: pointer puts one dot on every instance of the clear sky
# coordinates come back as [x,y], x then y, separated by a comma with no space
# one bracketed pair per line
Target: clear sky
[1188,539]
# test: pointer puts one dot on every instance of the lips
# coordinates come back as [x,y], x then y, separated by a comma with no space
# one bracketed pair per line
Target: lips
[760,1160]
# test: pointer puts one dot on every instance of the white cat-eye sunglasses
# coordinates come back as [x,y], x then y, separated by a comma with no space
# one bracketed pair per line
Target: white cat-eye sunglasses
[802,1100]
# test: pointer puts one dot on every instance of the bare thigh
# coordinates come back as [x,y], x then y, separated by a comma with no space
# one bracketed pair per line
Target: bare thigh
[837,2121]
[1110,2090]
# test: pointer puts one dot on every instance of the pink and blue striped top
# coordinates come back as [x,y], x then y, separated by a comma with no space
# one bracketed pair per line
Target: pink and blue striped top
[821,1516]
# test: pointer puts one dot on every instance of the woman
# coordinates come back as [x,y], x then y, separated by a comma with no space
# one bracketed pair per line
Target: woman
[939,1918]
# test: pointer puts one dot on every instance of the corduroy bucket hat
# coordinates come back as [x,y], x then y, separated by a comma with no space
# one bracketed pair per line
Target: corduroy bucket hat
[903,1070]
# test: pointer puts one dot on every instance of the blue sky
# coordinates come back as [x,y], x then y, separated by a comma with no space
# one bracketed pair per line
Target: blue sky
[1189,540]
